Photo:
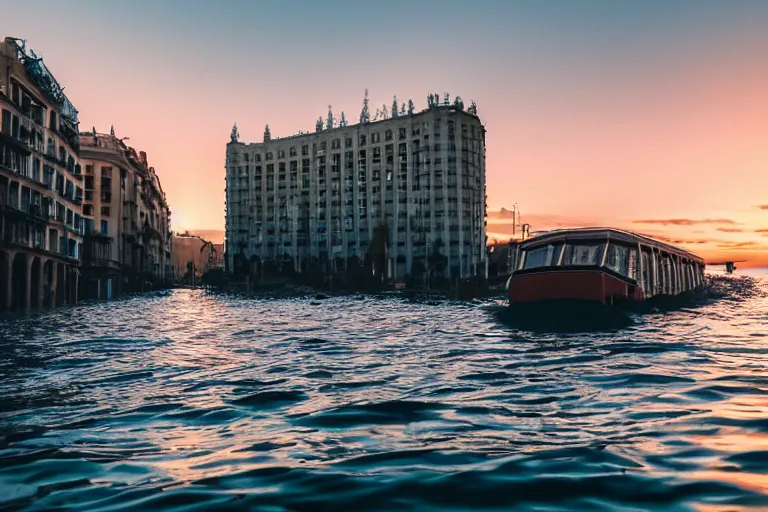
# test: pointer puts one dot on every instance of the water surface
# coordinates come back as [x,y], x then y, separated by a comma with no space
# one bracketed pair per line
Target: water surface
[204,402]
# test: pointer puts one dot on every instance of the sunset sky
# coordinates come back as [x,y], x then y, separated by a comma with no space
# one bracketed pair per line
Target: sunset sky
[649,115]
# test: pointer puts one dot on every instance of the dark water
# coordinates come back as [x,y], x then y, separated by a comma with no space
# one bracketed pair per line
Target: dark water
[196,402]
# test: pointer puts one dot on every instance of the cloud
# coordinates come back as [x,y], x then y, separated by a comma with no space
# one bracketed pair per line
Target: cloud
[731,230]
[683,222]
[762,230]
[763,206]
[740,245]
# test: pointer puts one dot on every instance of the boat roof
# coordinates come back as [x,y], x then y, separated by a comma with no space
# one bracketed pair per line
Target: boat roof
[607,233]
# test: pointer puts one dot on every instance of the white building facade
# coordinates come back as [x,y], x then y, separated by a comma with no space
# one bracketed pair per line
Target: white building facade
[321,197]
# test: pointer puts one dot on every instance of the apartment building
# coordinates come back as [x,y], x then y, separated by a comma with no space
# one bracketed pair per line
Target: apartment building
[41,184]
[126,217]
[406,187]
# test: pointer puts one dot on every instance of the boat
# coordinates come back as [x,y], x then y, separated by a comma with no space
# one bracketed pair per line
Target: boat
[600,265]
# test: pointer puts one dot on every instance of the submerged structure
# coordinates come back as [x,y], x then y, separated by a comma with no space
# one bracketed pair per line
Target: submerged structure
[401,193]
[41,184]
[82,215]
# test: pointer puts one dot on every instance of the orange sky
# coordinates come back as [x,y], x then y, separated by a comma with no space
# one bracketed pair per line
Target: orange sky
[597,112]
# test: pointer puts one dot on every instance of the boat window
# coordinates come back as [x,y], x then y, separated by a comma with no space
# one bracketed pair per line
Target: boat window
[544,256]
[583,254]
[622,259]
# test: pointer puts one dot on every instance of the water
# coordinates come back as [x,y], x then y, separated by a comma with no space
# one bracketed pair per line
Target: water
[197,402]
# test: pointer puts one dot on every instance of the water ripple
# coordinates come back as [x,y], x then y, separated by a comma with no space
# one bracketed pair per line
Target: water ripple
[195,401]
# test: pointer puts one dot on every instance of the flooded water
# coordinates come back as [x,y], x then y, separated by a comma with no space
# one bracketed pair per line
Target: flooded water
[202,402]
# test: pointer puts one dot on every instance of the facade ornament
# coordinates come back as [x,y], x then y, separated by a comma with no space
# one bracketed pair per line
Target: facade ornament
[267,134]
[458,103]
[472,108]
[329,123]
[343,121]
[384,113]
[411,107]
[365,115]
[402,109]
[319,124]
[446,99]
[394,106]
[235,135]
[112,130]
[429,100]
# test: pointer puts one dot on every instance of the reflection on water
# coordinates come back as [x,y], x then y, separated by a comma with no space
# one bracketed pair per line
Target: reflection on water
[202,402]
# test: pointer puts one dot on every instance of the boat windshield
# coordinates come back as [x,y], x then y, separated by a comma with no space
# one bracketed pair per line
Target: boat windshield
[544,256]
[583,254]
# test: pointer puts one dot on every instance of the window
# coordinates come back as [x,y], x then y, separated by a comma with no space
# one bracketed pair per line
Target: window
[336,144]
[280,153]
[88,210]
[375,138]
[104,227]
[89,170]
[363,140]
[388,135]
[586,254]
[106,172]
[622,259]
[105,211]
[304,150]
[292,151]
[348,142]
[401,133]
[6,122]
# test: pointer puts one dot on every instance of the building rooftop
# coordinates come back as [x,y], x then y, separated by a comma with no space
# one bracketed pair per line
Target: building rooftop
[381,116]
[39,73]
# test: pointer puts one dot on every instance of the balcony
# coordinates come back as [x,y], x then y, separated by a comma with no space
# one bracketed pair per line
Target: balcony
[103,263]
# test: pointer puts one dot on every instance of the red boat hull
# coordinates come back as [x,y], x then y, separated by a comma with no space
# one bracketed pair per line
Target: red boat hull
[582,285]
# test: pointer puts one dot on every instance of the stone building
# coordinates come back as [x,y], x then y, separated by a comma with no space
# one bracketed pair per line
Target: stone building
[41,184]
[126,218]
[193,253]
[406,190]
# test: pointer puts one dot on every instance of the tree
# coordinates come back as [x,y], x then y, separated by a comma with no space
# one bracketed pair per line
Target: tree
[437,261]
[211,253]
[190,273]
[365,115]
[378,250]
